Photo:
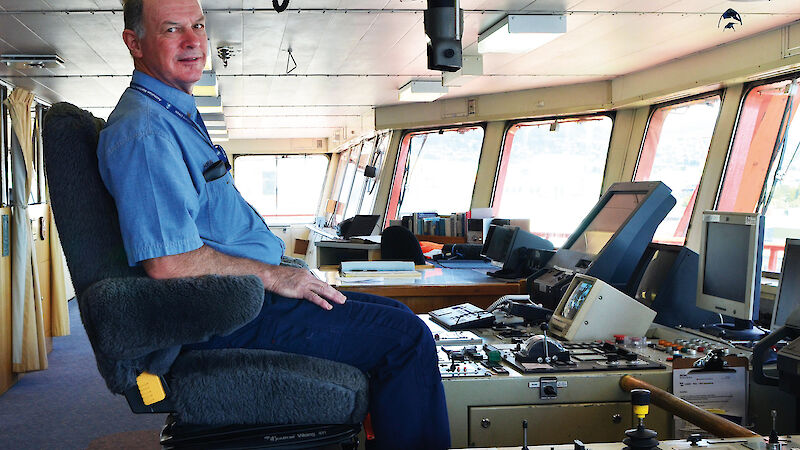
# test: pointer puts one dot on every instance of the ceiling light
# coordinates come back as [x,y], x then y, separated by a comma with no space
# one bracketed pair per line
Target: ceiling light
[215,132]
[521,33]
[32,61]
[207,86]
[421,91]
[209,104]
[208,67]
[214,119]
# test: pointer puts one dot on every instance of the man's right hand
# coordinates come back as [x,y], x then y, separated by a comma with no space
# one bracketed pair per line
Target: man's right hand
[299,283]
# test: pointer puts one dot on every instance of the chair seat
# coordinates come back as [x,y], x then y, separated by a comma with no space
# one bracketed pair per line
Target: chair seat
[242,386]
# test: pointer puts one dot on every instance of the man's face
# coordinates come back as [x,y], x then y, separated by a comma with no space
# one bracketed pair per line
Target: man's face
[174,46]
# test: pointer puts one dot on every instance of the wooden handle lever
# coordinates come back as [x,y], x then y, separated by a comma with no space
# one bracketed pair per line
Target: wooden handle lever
[712,423]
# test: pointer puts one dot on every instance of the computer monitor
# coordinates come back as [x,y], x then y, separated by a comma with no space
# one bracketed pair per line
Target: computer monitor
[788,298]
[502,240]
[729,275]
[609,241]
[359,225]
[666,281]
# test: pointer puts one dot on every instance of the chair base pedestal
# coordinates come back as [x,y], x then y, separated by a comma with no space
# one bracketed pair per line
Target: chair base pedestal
[176,435]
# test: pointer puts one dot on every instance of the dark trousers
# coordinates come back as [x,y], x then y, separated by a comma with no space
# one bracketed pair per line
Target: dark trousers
[378,335]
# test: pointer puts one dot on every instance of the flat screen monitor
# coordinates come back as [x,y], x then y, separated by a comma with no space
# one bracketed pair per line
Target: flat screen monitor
[359,225]
[788,298]
[610,240]
[729,275]
[609,219]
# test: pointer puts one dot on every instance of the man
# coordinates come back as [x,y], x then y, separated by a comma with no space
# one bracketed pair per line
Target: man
[181,216]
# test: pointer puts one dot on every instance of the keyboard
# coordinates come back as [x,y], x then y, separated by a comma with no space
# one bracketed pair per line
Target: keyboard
[465,316]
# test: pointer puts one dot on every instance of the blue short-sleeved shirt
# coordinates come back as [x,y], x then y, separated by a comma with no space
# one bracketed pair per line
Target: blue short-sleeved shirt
[152,163]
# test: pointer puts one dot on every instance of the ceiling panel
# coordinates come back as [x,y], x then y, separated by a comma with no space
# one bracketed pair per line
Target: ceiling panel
[387,49]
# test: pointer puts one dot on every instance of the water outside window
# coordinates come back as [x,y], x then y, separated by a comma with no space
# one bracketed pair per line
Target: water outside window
[674,152]
[552,173]
[284,189]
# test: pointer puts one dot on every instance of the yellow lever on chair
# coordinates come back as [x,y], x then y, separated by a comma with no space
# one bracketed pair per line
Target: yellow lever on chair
[150,388]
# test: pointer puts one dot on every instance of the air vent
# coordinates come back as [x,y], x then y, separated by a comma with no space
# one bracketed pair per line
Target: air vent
[32,61]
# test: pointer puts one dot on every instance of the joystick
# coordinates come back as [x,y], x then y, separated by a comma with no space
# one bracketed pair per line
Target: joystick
[640,438]
[773,443]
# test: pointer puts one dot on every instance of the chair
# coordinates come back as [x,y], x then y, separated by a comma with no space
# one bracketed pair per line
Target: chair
[137,325]
[398,243]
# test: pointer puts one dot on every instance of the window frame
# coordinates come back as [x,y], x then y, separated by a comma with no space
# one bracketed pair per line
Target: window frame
[783,128]
[314,214]
[747,88]
[376,160]
[5,145]
[686,219]
[505,150]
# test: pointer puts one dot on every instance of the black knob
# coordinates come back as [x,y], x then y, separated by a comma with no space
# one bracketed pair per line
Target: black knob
[616,418]
[694,439]
[544,326]
[486,423]
[550,391]
[640,397]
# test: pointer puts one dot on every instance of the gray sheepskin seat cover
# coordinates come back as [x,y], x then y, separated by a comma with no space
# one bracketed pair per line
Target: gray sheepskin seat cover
[137,324]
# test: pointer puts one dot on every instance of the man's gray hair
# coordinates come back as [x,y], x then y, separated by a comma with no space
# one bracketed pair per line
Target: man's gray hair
[133,11]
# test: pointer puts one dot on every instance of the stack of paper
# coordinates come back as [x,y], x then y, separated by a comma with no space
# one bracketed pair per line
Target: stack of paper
[402,269]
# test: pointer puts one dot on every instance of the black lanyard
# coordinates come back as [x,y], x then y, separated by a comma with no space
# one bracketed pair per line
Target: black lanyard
[220,152]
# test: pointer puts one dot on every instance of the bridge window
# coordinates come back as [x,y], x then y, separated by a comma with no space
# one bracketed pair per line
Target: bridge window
[674,152]
[436,171]
[762,172]
[371,184]
[551,172]
[284,189]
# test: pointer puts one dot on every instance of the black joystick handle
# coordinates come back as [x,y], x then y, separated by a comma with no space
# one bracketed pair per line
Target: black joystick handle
[640,397]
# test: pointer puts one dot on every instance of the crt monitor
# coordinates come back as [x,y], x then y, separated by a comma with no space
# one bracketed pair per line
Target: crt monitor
[788,298]
[609,241]
[501,241]
[729,273]
[592,309]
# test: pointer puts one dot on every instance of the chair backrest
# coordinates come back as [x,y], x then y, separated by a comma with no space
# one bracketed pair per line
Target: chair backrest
[84,211]
[398,243]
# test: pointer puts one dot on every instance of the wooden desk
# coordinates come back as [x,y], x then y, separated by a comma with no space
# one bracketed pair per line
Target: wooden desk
[437,288]
[334,252]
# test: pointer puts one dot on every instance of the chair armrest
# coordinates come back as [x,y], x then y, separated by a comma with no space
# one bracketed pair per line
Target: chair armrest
[130,318]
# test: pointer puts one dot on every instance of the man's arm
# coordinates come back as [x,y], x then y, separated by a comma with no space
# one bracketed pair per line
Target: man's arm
[286,281]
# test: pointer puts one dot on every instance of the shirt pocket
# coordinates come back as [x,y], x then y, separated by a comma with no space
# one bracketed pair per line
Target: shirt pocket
[225,211]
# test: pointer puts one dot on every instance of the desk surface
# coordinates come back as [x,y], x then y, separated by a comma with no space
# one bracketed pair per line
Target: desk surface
[431,278]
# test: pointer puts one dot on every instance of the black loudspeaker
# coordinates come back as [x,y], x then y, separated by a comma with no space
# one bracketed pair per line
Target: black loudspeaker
[444,48]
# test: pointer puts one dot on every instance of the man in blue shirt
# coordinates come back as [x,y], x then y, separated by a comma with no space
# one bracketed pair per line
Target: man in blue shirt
[181,216]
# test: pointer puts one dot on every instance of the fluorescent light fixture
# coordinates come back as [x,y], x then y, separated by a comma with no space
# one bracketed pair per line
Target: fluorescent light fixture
[421,91]
[32,61]
[208,67]
[214,119]
[521,33]
[207,86]
[471,65]
[209,104]
[213,132]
